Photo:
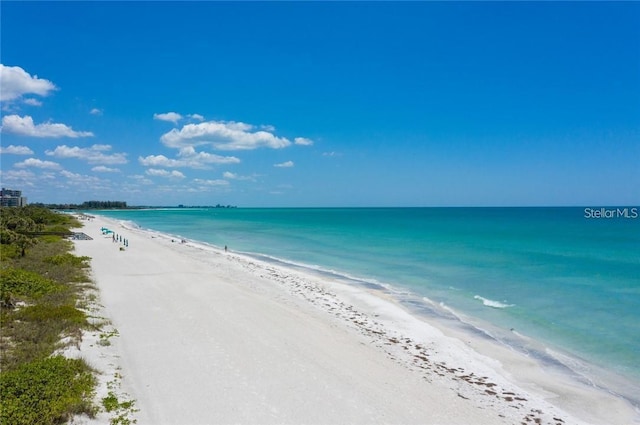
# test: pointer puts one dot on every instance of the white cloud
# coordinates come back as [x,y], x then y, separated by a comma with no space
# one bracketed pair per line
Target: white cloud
[173,117]
[224,136]
[159,161]
[287,164]
[188,157]
[93,155]
[33,102]
[331,154]
[164,173]
[24,126]
[196,117]
[12,175]
[217,182]
[85,182]
[194,158]
[73,176]
[140,179]
[233,176]
[38,163]
[16,150]
[303,141]
[95,111]
[16,82]
[103,169]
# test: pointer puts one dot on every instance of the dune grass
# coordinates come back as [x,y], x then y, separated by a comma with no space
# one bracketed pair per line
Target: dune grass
[41,283]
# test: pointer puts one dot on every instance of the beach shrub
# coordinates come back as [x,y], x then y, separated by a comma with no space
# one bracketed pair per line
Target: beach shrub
[23,283]
[36,388]
[9,251]
[68,258]
[35,331]
[50,238]
[58,228]
[55,261]
[46,392]
[64,315]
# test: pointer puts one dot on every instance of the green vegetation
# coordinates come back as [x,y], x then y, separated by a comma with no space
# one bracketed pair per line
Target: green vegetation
[25,285]
[120,410]
[46,391]
[41,284]
[106,336]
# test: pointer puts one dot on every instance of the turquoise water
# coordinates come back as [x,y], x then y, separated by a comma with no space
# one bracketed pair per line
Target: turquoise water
[552,274]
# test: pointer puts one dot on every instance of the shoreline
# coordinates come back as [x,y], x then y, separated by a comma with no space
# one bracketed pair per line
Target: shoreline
[446,364]
[551,355]
[461,326]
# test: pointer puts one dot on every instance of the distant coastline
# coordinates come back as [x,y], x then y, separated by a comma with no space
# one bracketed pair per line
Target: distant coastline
[120,205]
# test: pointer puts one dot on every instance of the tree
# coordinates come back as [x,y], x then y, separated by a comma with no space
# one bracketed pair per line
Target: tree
[15,227]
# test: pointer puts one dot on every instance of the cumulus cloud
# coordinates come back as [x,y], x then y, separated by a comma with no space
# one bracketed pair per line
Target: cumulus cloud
[95,111]
[78,178]
[187,157]
[223,135]
[85,182]
[93,155]
[17,175]
[233,176]
[16,150]
[24,126]
[173,117]
[159,161]
[38,163]
[140,179]
[194,158]
[303,141]
[198,161]
[196,117]
[32,102]
[287,164]
[16,82]
[164,173]
[217,182]
[103,169]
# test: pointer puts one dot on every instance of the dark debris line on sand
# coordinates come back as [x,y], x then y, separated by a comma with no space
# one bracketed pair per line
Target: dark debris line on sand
[409,353]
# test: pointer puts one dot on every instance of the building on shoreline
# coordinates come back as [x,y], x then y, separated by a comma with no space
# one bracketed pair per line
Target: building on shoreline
[12,198]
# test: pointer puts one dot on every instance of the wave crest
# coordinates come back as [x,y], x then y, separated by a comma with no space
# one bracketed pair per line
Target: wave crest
[492,303]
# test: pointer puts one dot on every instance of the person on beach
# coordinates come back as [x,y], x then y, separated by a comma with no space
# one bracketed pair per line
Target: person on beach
[225,248]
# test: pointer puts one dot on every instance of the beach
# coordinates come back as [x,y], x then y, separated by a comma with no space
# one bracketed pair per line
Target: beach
[206,336]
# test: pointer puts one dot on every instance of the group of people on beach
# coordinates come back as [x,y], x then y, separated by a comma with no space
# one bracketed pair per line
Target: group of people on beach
[120,239]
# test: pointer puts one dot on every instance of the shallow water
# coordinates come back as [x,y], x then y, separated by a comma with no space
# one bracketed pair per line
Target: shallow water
[570,282]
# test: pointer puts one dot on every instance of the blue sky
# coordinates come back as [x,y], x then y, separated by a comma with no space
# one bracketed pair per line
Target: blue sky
[322,104]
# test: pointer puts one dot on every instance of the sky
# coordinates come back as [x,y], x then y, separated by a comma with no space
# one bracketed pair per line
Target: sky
[314,104]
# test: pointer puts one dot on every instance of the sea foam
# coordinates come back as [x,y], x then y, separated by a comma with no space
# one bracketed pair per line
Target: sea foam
[492,303]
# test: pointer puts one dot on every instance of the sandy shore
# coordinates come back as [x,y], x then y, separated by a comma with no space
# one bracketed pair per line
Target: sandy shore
[210,337]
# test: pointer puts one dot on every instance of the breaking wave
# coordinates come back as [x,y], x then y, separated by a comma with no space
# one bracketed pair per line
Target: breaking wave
[492,303]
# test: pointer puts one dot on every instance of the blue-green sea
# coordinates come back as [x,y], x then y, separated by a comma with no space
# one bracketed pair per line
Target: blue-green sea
[566,278]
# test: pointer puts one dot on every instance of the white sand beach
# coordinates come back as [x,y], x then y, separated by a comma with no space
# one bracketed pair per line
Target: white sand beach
[213,337]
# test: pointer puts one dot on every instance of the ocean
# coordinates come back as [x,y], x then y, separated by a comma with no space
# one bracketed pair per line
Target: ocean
[562,284]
